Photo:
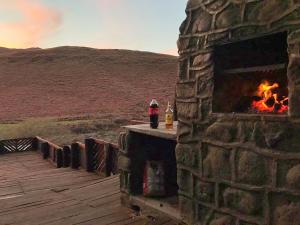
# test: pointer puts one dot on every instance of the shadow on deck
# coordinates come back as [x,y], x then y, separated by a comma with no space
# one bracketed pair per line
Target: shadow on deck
[34,192]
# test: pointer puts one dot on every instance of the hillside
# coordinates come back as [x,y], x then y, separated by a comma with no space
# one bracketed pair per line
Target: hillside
[76,81]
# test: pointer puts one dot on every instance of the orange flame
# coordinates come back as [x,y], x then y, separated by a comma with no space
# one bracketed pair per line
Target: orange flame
[269,101]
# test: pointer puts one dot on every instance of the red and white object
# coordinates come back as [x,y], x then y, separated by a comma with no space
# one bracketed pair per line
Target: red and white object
[154,179]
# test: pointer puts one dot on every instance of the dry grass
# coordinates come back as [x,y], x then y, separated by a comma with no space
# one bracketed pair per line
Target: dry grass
[65,131]
[73,81]
[107,85]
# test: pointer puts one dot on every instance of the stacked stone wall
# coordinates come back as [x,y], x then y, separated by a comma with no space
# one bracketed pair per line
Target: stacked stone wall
[237,169]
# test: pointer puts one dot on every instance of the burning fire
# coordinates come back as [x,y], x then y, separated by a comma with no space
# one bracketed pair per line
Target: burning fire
[270,101]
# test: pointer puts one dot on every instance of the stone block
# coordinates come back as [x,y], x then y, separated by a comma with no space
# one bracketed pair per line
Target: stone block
[186,209]
[207,72]
[186,90]
[251,168]
[265,134]
[294,85]
[134,184]
[187,110]
[183,69]
[218,38]
[201,21]
[287,173]
[268,11]
[215,6]
[217,163]
[124,180]
[203,213]
[229,17]
[124,163]
[293,68]
[122,140]
[185,181]
[293,42]
[294,99]
[274,133]
[246,223]
[225,132]
[182,44]
[257,135]
[194,44]
[205,87]
[204,191]
[287,214]
[205,109]
[183,26]
[225,220]
[244,132]
[290,141]
[193,3]
[132,144]
[242,201]
[293,177]
[186,155]
[184,132]
[202,60]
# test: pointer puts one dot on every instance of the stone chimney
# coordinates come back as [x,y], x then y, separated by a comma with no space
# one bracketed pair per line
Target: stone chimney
[238,167]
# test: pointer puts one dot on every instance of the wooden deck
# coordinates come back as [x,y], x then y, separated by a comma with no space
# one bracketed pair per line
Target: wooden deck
[34,192]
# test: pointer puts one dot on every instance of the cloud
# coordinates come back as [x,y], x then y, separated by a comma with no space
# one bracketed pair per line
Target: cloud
[37,22]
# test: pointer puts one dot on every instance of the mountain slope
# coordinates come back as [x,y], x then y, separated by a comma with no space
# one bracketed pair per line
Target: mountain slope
[76,81]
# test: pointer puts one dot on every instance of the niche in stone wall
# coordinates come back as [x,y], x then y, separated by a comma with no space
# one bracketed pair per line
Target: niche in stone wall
[251,76]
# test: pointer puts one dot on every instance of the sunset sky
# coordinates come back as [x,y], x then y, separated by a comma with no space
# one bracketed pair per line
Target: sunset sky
[149,25]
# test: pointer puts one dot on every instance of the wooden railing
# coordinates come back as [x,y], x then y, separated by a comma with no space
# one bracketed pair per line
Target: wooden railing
[50,151]
[78,155]
[94,155]
[102,156]
[16,145]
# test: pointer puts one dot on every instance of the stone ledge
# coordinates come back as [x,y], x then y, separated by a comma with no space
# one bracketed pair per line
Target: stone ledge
[249,219]
[247,187]
[250,117]
[161,131]
[253,148]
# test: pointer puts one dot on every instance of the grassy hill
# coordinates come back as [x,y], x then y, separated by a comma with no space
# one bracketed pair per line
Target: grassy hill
[77,82]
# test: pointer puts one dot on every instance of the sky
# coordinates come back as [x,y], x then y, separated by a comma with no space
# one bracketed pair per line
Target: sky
[146,25]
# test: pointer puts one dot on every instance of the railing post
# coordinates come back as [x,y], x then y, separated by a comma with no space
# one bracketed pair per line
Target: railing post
[35,143]
[66,156]
[59,158]
[114,159]
[75,156]
[107,167]
[89,151]
[45,149]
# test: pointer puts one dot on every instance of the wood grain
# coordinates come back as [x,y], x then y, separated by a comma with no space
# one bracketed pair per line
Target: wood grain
[34,192]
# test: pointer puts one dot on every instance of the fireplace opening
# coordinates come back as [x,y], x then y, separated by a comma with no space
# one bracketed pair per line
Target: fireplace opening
[251,76]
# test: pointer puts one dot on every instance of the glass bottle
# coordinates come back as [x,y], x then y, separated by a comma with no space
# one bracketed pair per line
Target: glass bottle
[169,117]
[153,113]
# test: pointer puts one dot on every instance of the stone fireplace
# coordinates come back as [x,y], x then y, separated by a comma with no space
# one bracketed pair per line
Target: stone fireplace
[242,66]
[238,163]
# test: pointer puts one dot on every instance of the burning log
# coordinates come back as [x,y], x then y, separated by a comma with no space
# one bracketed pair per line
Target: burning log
[269,99]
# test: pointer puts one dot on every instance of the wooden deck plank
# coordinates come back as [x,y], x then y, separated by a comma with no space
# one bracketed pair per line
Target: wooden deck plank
[32,192]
